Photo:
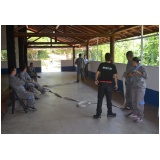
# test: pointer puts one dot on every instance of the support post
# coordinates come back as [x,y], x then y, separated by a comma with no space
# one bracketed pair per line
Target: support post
[56,36]
[73,55]
[87,55]
[22,43]
[25,53]
[141,44]
[87,50]
[11,54]
[97,49]
[112,47]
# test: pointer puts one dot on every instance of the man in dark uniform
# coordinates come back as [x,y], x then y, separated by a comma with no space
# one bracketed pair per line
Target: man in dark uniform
[104,76]
[80,67]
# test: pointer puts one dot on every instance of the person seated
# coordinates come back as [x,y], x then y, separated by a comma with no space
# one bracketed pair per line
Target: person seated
[18,86]
[29,83]
[32,72]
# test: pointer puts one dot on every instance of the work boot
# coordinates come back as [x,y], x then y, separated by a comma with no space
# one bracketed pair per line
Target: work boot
[111,115]
[96,116]
[43,91]
[32,108]
[36,97]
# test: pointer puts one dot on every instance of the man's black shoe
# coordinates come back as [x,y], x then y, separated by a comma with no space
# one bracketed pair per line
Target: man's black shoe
[96,116]
[36,98]
[111,115]
[33,108]
[77,81]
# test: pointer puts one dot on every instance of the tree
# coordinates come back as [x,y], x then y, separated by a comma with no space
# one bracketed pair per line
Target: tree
[43,54]
[150,50]
[32,54]
[4,55]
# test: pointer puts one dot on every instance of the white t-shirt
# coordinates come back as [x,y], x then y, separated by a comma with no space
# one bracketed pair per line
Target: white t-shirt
[85,61]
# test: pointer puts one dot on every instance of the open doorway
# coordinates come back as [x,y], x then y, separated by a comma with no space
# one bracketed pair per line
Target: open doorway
[50,57]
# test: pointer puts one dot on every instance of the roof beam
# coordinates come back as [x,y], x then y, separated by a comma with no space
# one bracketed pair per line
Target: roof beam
[51,46]
[97,29]
[36,39]
[22,34]
[19,27]
[34,43]
[125,28]
[30,29]
[37,31]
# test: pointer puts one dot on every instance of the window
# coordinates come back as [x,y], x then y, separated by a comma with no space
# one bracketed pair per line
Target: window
[97,53]
[122,47]
[80,50]
[4,55]
[151,51]
[150,56]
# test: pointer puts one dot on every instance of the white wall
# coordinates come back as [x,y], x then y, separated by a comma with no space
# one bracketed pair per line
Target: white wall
[93,66]
[35,63]
[4,64]
[153,73]
[153,78]
[66,62]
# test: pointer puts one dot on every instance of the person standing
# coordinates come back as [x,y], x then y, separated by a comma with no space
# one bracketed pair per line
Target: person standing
[138,80]
[129,67]
[86,66]
[18,86]
[80,67]
[106,71]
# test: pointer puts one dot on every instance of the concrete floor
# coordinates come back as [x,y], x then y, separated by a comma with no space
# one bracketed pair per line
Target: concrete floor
[58,116]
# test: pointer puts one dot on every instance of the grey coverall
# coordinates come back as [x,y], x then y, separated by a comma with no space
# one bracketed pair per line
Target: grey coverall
[24,76]
[80,68]
[18,86]
[86,68]
[32,73]
[138,92]
[129,68]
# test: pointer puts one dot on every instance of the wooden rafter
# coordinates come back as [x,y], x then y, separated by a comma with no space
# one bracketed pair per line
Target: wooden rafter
[30,29]
[51,46]
[19,28]
[22,34]
[34,43]
[125,28]
[80,34]
[97,29]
